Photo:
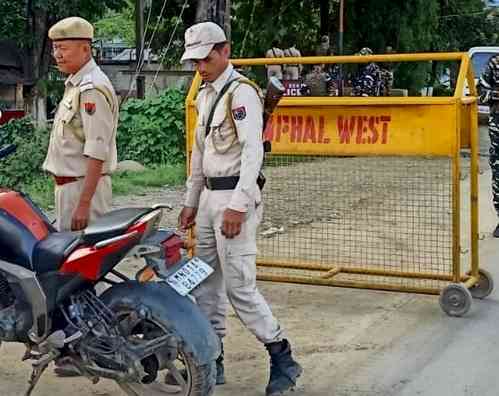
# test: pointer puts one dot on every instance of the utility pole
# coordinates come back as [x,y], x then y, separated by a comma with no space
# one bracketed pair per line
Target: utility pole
[139,47]
[324,12]
[217,11]
[340,44]
[341,27]
[227,25]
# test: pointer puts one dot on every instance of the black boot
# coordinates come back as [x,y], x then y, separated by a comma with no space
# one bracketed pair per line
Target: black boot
[496,232]
[220,367]
[284,370]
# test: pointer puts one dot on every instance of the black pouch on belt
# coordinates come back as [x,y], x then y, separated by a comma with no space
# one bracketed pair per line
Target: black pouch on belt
[261,180]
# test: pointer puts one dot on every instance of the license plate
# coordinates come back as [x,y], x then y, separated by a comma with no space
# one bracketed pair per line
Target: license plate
[189,276]
[483,109]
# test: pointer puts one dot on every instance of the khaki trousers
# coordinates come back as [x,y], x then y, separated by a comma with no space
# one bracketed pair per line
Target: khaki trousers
[67,198]
[234,279]
[274,71]
[291,72]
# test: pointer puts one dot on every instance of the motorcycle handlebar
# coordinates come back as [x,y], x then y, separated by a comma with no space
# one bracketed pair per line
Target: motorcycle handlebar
[7,150]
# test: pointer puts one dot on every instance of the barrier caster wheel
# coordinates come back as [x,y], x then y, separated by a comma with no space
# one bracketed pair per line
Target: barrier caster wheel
[455,299]
[484,286]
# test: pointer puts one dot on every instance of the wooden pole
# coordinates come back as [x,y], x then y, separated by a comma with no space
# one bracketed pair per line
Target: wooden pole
[341,27]
[340,45]
[139,46]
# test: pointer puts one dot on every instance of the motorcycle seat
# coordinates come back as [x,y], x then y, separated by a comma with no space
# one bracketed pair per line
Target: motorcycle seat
[49,254]
[112,224]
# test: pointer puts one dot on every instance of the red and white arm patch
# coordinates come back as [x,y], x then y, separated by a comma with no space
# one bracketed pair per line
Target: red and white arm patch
[239,113]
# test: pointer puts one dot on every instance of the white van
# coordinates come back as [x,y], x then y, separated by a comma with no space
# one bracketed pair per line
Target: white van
[479,57]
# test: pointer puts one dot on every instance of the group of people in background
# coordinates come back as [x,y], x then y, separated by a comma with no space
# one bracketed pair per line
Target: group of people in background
[370,79]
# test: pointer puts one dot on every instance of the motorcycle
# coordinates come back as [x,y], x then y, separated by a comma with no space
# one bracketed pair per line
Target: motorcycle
[136,331]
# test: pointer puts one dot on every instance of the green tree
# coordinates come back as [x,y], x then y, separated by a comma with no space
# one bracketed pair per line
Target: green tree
[255,24]
[13,19]
[165,33]
[28,24]
[117,25]
[406,26]
[463,24]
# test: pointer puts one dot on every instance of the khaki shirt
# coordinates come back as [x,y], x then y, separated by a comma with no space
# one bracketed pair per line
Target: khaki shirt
[274,52]
[275,69]
[293,70]
[224,152]
[84,125]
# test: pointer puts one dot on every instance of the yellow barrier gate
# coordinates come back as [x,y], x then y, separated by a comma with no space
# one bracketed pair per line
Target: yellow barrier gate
[366,192]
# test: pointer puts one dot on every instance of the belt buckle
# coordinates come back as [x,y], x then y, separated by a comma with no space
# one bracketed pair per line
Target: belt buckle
[208,183]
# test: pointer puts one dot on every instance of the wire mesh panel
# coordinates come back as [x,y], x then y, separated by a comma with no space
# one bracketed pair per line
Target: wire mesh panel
[366,191]
[358,219]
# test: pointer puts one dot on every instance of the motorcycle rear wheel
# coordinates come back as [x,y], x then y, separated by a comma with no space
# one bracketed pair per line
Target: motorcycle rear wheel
[198,380]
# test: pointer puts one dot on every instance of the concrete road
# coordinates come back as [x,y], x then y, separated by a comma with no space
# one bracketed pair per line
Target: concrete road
[484,140]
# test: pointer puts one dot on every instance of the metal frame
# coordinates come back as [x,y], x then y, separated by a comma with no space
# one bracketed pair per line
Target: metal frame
[466,136]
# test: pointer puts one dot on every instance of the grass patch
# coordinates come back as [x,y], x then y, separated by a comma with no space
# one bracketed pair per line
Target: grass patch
[125,183]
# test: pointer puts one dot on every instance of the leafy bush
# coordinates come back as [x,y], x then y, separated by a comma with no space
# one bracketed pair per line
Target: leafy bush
[151,131]
[25,165]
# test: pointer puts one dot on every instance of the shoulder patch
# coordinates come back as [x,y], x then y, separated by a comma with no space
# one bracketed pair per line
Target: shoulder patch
[89,108]
[239,113]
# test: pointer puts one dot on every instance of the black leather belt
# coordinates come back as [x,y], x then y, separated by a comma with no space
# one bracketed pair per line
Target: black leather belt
[221,183]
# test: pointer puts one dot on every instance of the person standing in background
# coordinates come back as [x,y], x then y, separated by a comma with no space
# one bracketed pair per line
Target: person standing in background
[274,70]
[292,71]
[488,89]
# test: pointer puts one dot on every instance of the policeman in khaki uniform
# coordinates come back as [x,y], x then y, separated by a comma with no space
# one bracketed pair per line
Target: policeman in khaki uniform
[292,71]
[82,148]
[274,70]
[224,200]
